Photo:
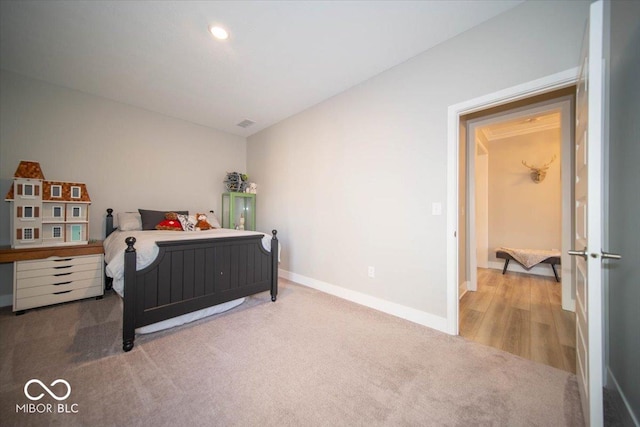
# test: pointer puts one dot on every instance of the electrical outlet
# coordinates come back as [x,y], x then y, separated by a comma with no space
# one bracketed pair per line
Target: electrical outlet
[372,272]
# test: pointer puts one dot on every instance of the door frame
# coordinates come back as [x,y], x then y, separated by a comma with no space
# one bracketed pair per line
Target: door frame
[564,106]
[514,93]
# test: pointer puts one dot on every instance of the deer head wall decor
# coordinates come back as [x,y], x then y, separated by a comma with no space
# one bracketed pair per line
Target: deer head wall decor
[539,173]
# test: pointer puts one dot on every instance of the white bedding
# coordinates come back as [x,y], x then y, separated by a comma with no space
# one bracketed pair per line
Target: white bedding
[189,317]
[146,253]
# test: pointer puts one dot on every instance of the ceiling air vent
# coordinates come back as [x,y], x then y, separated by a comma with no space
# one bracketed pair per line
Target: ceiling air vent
[245,123]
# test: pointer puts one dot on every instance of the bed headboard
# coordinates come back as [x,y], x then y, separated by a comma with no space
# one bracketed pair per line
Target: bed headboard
[109,228]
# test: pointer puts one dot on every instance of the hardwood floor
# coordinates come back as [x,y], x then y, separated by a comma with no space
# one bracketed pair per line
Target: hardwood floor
[521,314]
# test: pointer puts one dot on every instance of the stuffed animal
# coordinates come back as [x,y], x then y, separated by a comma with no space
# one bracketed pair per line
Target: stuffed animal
[170,222]
[252,188]
[202,222]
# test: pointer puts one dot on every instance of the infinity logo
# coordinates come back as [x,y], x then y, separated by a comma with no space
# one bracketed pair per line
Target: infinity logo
[52,394]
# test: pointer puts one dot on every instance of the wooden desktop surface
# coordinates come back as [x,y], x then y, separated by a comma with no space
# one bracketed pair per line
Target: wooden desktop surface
[7,254]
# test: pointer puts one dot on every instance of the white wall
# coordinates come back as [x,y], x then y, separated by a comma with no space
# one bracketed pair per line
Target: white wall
[350,182]
[129,158]
[523,214]
[482,203]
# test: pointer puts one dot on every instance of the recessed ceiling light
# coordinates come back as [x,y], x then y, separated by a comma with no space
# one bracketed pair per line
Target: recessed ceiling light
[219,33]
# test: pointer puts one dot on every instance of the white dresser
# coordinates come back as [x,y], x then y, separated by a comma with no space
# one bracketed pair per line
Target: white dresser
[45,276]
[56,279]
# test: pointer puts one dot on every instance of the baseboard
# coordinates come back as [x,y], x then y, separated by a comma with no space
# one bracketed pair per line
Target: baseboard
[538,270]
[463,289]
[626,414]
[6,300]
[398,310]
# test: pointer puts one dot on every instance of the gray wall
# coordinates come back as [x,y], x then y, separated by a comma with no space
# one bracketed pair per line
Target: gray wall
[624,204]
[350,182]
[129,158]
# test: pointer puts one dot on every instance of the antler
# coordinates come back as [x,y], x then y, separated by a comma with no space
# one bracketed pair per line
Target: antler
[543,167]
[546,165]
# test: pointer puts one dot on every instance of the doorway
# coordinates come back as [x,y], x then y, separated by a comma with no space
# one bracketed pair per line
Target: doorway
[508,205]
[457,271]
[528,210]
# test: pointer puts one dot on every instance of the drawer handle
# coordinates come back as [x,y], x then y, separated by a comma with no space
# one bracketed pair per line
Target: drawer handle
[63,266]
[61,283]
[61,292]
[62,274]
[62,259]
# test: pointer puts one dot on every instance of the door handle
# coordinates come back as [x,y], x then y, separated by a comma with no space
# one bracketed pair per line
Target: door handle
[583,253]
[603,254]
[608,255]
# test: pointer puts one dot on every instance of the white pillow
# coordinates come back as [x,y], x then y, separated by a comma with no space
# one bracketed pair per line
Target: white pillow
[213,220]
[129,221]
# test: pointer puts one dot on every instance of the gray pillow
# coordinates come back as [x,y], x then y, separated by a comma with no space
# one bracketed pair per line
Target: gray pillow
[152,218]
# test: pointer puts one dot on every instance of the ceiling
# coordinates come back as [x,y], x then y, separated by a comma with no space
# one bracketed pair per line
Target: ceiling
[521,126]
[280,58]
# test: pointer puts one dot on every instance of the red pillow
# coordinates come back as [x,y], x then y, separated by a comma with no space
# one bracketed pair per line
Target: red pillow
[169,224]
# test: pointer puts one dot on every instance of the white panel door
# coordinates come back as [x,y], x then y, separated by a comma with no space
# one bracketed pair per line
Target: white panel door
[588,219]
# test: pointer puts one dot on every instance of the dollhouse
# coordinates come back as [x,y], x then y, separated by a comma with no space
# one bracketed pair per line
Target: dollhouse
[46,213]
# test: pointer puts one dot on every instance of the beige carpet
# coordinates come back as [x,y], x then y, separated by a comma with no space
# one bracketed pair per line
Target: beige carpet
[309,359]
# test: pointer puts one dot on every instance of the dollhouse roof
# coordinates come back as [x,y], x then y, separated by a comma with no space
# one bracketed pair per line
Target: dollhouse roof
[32,170]
[66,192]
[29,170]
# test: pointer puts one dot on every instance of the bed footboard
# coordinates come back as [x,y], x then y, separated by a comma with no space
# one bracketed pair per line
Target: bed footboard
[190,275]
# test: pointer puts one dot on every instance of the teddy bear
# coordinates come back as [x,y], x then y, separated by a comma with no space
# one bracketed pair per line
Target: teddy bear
[202,222]
[170,222]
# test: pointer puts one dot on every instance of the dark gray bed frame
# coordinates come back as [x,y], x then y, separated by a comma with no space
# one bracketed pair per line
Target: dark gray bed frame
[190,275]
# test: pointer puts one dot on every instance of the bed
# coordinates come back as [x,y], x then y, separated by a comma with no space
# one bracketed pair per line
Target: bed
[167,275]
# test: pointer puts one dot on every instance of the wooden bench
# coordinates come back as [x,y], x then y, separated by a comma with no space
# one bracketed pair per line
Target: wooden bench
[551,260]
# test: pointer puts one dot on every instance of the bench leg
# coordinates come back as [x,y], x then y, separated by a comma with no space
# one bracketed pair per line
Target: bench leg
[506,264]
[555,273]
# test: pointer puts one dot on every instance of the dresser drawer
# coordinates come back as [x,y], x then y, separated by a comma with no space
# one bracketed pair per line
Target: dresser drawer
[58,288]
[48,299]
[52,267]
[57,279]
